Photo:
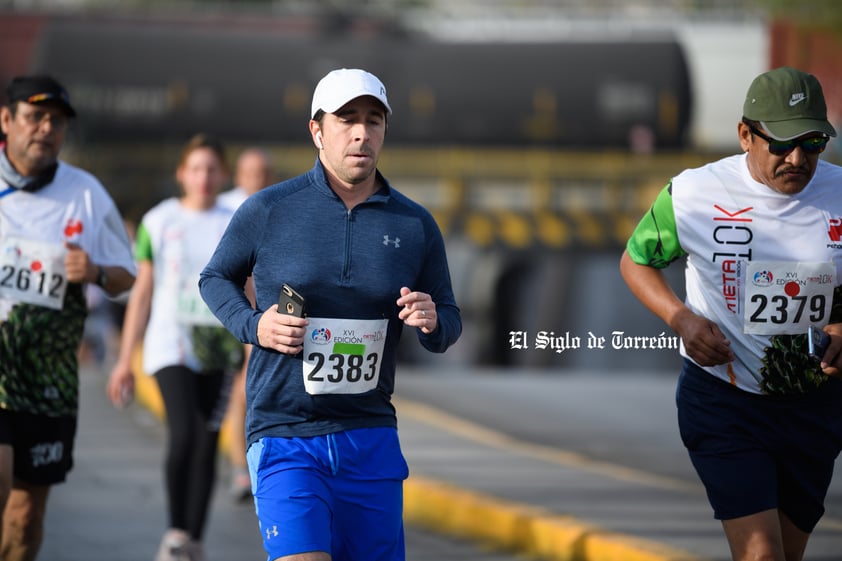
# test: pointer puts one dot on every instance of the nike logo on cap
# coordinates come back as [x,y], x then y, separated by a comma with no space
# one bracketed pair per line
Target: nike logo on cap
[796,99]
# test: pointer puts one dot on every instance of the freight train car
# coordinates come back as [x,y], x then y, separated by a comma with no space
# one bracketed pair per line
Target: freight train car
[142,79]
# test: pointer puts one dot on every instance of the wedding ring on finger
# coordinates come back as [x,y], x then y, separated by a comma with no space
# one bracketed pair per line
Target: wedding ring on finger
[423,313]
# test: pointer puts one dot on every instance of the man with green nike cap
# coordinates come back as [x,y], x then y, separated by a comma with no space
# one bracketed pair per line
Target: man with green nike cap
[759,406]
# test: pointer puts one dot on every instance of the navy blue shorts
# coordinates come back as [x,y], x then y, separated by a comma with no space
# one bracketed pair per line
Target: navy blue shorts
[341,493]
[755,452]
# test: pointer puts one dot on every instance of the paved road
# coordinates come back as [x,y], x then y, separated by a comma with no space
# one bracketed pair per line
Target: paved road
[556,464]
[599,445]
[626,418]
[112,507]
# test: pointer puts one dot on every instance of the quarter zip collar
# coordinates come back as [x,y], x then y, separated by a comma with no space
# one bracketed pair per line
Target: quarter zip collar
[318,179]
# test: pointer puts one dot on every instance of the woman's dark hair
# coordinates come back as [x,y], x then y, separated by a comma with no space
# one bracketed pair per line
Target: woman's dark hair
[202,140]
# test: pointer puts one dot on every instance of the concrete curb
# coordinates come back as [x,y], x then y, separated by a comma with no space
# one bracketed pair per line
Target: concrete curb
[504,525]
[522,528]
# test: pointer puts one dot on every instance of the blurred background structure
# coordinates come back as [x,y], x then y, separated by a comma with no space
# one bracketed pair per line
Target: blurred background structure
[536,131]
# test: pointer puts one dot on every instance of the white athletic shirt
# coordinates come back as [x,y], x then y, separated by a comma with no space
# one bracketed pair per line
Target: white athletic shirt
[179,242]
[232,198]
[42,315]
[75,208]
[760,263]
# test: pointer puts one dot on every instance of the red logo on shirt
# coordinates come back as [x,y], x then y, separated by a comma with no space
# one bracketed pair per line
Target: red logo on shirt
[835,229]
[72,228]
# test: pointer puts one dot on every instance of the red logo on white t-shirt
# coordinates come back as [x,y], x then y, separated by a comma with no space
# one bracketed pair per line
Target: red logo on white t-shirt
[835,229]
[72,228]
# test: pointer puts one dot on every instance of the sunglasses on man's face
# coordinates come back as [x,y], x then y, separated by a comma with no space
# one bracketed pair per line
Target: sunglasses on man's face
[810,145]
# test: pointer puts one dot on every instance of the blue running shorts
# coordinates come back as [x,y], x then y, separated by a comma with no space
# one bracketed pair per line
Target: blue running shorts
[341,493]
[754,452]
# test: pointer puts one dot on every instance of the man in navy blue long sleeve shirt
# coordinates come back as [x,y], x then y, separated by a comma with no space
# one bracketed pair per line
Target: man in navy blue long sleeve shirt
[326,464]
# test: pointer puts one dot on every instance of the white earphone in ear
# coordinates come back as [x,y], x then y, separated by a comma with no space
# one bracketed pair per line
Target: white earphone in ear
[319,140]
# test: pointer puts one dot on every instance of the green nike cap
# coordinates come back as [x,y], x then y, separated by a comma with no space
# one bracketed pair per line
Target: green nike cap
[788,103]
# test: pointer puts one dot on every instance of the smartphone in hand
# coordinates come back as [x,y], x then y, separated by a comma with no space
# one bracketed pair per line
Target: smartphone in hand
[290,302]
[817,341]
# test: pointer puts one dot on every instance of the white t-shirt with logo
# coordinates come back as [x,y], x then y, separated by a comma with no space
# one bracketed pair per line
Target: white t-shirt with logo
[179,242]
[42,316]
[74,208]
[760,263]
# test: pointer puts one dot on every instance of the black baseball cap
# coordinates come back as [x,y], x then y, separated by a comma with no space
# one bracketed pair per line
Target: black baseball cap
[39,89]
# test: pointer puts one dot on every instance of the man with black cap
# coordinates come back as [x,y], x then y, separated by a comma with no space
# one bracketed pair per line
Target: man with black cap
[325,461]
[759,400]
[59,230]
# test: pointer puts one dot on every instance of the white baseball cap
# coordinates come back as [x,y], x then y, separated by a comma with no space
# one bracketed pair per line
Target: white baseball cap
[340,86]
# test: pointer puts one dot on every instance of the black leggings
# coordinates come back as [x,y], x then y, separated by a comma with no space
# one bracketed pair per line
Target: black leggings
[195,404]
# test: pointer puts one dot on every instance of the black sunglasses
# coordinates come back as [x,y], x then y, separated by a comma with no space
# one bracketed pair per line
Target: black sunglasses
[810,145]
